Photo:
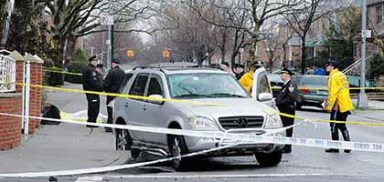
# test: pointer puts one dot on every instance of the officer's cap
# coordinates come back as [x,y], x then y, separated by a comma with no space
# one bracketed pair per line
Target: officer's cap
[93,58]
[286,70]
[237,65]
[115,61]
[258,63]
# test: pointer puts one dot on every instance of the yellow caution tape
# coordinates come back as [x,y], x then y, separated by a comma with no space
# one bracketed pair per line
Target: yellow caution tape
[353,88]
[62,72]
[193,102]
[376,123]
[120,95]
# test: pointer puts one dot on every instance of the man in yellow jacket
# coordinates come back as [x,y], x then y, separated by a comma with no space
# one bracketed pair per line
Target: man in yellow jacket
[247,79]
[339,103]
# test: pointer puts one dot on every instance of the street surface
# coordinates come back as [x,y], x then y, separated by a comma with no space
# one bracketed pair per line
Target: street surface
[66,147]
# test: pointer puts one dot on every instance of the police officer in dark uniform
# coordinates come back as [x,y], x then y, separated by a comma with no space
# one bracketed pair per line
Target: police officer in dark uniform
[239,70]
[285,101]
[112,83]
[92,82]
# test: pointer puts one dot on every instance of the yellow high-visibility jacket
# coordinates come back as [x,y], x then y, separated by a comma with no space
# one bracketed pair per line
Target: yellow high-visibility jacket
[338,92]
[247,81]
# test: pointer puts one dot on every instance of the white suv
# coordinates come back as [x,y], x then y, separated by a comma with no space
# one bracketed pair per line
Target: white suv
[235,111]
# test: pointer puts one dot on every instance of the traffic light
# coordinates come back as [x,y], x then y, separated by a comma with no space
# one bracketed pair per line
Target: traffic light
[130,53]
[166,53]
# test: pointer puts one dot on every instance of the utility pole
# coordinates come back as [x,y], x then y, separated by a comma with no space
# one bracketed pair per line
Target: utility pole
[7,23]
[363,99]
[110,37]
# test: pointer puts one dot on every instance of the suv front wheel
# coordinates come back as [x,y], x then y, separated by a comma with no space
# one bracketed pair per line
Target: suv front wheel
[123,140]
[269,159]
[178,148]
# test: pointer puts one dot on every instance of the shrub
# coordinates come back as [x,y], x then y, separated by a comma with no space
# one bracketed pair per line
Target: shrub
[75,67]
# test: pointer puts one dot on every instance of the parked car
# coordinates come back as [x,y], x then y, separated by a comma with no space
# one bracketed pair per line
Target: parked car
[354,82]
[276,83]
[313,90]
[241,114]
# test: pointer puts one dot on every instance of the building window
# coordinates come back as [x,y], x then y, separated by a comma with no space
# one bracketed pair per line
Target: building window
[379,14]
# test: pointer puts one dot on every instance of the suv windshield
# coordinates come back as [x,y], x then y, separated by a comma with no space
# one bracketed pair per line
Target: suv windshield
[204,85]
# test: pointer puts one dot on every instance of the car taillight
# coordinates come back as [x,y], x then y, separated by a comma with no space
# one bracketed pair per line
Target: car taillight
[304,90]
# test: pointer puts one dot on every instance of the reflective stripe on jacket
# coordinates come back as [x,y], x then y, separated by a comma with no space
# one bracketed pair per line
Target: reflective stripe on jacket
[338,89]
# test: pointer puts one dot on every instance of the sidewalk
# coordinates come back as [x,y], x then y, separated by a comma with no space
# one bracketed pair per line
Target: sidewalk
[64,146]
[375,110]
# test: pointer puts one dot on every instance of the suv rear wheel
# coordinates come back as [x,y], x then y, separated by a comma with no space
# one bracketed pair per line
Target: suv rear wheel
[124,142]
[178,148]
[269,159]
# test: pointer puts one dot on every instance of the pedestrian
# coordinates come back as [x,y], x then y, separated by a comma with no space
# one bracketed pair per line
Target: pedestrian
[225,67]
[239,71]
[319,71]
[285,102]
[247,79]
[309,71]
[339,103]
[92,82]
[112,83]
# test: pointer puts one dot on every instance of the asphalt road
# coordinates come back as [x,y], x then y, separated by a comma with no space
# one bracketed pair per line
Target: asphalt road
[303,164]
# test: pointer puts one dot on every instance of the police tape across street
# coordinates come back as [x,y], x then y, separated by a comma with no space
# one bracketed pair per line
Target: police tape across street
[235,138]
[376,123]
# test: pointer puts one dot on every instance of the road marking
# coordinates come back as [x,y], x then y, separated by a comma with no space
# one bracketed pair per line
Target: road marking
[191,176]
[89,179]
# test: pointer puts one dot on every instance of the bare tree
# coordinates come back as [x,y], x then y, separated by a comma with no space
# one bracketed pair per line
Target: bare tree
[258,12]
[301,20]
[192,40]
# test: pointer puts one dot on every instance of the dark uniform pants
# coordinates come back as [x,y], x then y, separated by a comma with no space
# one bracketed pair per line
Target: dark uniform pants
[335,127]
[93,108]
[288,121]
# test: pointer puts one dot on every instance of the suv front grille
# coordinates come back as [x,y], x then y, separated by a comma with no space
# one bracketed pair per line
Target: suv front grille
[241,122]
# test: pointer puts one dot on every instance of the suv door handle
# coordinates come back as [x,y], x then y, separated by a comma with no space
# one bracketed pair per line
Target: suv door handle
[126,104]
[144,107]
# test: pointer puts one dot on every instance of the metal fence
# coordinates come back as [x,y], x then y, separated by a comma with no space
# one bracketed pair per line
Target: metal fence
[7,74]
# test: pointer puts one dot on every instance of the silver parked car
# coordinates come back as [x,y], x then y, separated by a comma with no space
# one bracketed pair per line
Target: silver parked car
[235,112]
[313,90]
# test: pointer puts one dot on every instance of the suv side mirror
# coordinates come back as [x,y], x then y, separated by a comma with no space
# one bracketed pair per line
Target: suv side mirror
[156,99]
[265,97]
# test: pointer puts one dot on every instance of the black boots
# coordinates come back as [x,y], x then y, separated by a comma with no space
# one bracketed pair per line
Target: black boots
[332,150]
[287,149]
[335,136]
[346,138]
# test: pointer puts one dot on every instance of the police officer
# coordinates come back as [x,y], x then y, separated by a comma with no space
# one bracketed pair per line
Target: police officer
[285,101]
[92,82]
[239,71]
[112,83]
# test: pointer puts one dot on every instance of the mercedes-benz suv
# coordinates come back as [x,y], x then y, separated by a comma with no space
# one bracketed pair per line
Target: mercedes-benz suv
[208,100]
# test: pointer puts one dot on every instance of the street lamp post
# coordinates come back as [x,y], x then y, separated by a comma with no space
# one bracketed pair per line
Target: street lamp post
[363,99]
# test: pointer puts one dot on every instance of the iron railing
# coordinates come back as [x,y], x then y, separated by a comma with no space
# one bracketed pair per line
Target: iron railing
[7,74]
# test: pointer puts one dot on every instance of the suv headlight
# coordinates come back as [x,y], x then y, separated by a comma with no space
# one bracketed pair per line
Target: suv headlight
[202,123]
[273,121]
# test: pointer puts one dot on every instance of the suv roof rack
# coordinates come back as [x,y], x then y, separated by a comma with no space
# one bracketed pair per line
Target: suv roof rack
[147,67]
[170,66]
